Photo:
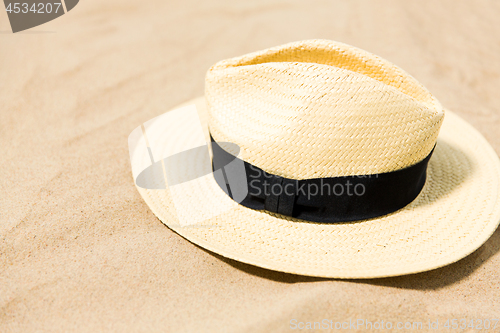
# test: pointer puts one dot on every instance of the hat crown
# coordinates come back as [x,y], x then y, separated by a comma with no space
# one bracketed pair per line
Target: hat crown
[320,108]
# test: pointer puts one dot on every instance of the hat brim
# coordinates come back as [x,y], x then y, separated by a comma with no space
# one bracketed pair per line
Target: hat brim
[456,212]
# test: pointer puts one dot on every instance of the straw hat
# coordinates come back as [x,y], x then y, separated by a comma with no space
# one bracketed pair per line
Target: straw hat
[424,183]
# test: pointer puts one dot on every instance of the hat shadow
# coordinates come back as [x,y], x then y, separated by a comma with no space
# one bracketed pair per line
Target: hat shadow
[429,280]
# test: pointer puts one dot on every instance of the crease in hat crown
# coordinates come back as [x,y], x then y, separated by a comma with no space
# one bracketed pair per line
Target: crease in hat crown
[320,108]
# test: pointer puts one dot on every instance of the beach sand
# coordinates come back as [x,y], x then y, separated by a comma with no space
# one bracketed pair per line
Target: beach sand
[80,251]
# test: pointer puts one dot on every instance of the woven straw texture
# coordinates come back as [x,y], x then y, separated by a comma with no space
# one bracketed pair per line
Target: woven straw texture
[456,212]
[320,108]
